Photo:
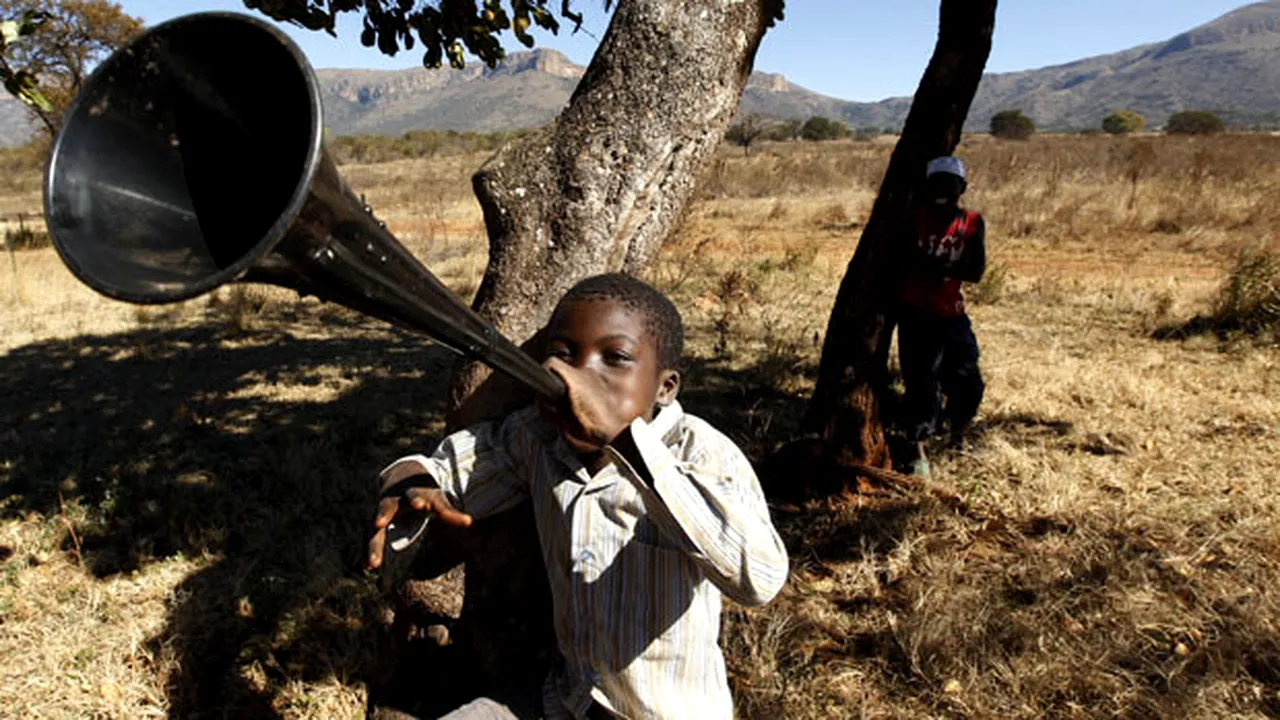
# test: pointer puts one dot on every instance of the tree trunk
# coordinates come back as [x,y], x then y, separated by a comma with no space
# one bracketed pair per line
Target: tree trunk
[596,191]
[844,412]
[600,188]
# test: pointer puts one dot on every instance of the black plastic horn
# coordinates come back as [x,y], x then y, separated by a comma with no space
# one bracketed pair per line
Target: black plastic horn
[194,157]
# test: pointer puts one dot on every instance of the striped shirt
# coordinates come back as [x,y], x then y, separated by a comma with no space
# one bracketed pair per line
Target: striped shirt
[637,557]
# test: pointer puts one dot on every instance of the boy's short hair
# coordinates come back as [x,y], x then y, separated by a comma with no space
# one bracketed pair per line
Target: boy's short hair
[661,318]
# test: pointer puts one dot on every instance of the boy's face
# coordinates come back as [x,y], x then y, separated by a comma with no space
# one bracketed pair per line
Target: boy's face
[944,189]
[605,338]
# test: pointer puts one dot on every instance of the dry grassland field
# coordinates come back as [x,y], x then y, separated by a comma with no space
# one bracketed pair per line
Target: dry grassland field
[184,490]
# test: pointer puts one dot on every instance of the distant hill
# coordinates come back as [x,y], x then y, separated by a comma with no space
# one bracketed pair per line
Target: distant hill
[1231,65]
[526,91]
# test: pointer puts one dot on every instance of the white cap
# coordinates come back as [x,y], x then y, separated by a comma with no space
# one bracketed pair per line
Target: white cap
[945,164]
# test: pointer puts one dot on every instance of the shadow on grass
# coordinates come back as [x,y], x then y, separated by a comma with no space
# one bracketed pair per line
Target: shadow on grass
[252,453]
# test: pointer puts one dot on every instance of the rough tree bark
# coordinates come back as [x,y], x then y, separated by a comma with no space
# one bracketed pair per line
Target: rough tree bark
[596,191]
[600,188]
[843,414]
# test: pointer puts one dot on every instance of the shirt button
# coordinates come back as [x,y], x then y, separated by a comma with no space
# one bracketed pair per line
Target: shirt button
[584,557]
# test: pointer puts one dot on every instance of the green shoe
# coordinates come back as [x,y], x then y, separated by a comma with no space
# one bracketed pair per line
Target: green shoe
[920,468]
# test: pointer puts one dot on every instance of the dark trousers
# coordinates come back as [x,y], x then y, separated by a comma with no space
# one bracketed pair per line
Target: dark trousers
[939,356]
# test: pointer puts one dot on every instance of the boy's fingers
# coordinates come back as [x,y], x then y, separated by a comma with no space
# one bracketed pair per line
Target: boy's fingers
[418,498]
[449,516]
[374,561]
[387,507]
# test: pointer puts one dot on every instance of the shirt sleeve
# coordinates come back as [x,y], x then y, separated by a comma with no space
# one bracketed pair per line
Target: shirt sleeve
[712,507]
[974,263]
[479,467]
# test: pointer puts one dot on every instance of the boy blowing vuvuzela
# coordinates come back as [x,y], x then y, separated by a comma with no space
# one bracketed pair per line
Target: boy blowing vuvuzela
[645,514]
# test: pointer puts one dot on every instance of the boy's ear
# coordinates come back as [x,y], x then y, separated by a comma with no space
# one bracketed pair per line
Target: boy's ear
[668,387]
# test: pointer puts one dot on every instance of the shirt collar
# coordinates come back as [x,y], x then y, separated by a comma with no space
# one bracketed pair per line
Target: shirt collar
[667,422]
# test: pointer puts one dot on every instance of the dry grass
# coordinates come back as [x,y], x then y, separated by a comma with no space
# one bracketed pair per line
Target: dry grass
[183,490]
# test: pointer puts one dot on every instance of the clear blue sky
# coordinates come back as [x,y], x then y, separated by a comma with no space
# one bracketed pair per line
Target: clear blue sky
[851,49]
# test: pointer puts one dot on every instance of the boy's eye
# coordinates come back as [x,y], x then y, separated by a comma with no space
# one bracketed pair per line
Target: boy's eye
[617,356]
[558,352]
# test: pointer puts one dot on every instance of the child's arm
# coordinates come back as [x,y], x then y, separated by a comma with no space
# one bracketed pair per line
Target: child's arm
[709,505]
[968,268]
[974,261]
[712,507]
[475,470]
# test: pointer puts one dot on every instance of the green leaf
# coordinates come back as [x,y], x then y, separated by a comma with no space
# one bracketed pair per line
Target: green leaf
[31,21]
[36,99]
[11,30]
[455,55]
[23,86]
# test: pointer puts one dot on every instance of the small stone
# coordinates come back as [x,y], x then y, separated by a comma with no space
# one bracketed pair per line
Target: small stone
[109,691]
[952,687]
[439,634]
[823,585]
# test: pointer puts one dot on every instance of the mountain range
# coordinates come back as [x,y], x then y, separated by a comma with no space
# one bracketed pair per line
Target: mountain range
[1230,65]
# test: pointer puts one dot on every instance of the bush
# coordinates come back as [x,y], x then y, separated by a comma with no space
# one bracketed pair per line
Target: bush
[415,144]
[818,128]
[1248,303]
[1194,122]
[990,288]
[785,130]
[1249,300]
[24,238]
[1012,125]
[745,132]
[1123,122]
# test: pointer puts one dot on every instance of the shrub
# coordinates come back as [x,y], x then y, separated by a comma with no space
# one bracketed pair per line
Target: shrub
[1249,300]
[745,132]
[1194,122]
[1123,122]
[24,238]
[1012,125]
[1248,303]
[819,128]
[416,144]
[785,130]
[990,288]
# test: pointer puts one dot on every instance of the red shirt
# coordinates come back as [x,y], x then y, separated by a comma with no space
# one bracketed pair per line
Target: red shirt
[941,259]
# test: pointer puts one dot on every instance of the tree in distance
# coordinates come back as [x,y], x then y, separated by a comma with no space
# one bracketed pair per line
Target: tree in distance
[788,129]
[1012,125]
[746,131]
[1193,122]
[1123,122]
[818,128]
[48,48]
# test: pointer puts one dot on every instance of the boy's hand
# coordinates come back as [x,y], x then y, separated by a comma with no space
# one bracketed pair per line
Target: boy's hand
[403,498]
[588,416]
